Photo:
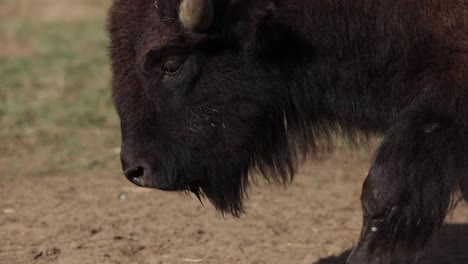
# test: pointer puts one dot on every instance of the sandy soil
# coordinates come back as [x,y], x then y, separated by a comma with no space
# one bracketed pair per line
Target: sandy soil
[104,219]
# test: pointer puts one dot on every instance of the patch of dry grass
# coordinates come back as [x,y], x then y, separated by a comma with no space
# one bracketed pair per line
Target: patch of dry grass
[53,10]
[27,11]
[55,109]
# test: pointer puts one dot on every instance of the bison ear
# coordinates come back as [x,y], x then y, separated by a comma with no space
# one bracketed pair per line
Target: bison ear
[196,15]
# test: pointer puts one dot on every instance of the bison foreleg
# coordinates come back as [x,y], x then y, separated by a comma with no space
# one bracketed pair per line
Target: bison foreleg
[408,190]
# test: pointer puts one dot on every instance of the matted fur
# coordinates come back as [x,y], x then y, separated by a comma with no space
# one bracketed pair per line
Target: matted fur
[270,82]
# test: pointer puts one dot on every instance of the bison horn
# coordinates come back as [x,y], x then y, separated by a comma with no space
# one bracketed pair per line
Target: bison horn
[196,15]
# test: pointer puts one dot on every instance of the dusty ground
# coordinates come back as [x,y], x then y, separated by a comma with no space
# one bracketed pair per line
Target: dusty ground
[101,218]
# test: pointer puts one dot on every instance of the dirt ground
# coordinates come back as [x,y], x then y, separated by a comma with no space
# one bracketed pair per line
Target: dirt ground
[102,218]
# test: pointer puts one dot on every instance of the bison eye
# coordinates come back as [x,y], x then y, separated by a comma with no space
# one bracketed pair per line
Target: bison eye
[171,66]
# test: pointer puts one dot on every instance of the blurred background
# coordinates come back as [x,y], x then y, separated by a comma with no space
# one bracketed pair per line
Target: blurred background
[56,114]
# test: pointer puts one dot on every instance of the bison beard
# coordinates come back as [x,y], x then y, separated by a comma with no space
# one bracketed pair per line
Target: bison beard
[208,91]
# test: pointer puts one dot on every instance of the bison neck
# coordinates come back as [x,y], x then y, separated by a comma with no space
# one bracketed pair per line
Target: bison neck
[358,58]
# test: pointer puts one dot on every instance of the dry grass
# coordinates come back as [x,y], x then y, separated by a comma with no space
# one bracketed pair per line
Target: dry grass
[52,10]
[55,109]
[28,11]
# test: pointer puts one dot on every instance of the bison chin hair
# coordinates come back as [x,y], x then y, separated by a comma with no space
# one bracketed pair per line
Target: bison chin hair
[225,191]
[286,141]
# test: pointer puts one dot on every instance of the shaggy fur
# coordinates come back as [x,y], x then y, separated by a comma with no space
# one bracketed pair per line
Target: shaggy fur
[270,82]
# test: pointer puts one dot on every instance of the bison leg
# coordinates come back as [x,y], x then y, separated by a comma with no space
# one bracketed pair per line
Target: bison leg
[408,190]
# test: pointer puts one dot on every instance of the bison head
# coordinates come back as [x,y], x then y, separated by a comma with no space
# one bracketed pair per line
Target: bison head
[203,92]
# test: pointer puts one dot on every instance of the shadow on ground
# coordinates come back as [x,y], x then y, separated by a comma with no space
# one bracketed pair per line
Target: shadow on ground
[335,259]
[450,247]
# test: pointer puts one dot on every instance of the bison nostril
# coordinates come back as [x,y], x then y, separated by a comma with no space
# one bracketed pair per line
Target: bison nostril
[134,173]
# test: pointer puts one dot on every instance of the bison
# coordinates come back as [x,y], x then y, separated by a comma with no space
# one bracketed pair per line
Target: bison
[208,91]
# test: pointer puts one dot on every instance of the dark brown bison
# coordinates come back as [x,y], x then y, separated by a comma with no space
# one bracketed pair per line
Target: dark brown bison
[209,90]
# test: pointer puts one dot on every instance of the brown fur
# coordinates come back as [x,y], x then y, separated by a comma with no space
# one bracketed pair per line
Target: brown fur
[269,82]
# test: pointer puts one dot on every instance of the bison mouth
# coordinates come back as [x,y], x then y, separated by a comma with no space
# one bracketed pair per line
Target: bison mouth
[137,177]
[142,177]
[225,195]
